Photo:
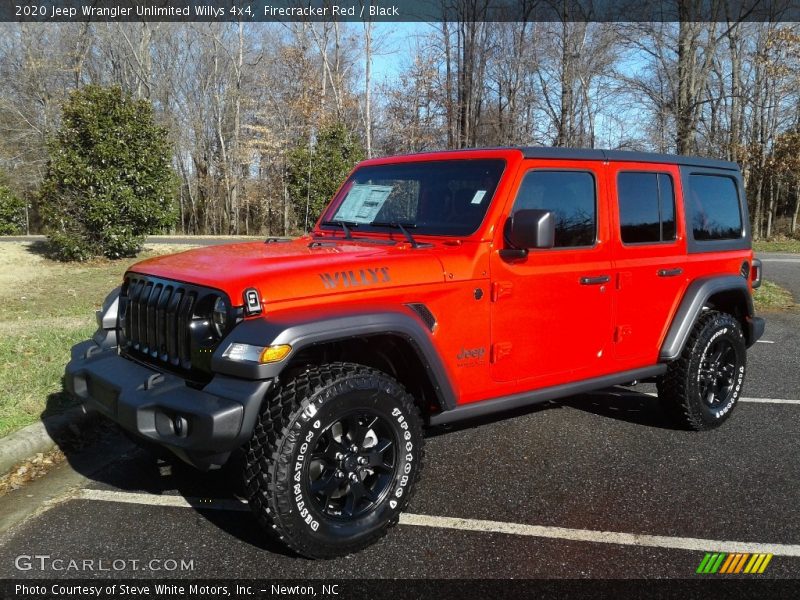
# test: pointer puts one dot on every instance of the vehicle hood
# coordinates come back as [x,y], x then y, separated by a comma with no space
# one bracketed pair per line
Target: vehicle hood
[296,269]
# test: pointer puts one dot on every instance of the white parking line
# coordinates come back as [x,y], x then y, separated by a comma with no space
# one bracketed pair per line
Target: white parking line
[603,537]
[769,400]
[764,342]
[781,260]
[654,395]
[479,525]
[156,500]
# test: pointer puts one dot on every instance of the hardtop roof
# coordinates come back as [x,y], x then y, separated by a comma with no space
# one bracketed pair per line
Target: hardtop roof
[553,153]
[626,156]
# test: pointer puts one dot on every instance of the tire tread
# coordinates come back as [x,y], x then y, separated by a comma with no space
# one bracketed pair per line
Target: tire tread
[269,451]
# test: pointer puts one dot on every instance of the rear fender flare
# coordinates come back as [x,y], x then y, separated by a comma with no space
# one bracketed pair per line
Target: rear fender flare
[695,298]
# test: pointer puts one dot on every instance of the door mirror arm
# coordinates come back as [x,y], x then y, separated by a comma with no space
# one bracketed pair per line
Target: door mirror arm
[513,254]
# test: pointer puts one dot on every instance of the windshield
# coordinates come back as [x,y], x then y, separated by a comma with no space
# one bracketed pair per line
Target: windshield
[436,197]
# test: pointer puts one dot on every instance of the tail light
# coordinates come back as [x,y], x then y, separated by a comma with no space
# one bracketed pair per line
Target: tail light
[755,273]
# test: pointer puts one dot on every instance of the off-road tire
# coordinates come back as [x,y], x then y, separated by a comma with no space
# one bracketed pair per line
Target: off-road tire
[297,420]
[680,390]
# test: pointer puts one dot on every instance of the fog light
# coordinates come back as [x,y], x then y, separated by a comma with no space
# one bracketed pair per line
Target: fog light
[181,426]
[257,354]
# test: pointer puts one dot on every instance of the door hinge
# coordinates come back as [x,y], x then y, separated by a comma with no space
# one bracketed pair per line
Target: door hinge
[501,289]
[621,332]
[500,351]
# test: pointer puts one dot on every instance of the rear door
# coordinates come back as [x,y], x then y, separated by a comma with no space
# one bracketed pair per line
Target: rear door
[551,312]
[649,253]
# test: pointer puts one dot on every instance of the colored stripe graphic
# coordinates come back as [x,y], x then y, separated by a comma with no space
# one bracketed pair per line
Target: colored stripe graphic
[716,565]
[751,562]
[742,560]
[728,562]
[733,563]
[703,563]
[765,563]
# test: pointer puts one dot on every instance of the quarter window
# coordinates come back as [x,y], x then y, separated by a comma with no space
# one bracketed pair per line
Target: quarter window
[646,207]
[570,195]
[714,206]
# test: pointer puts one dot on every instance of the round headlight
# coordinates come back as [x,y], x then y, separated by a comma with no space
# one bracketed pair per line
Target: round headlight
[219,316]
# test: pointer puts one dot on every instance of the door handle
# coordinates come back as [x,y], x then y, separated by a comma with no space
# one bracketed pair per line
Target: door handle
[599,280]
[669,272]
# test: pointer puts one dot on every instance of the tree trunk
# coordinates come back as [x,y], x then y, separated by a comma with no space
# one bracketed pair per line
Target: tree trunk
[367,86]
[771,208]
[565,117]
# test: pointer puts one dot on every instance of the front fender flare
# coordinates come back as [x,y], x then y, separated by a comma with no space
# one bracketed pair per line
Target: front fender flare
[304,330]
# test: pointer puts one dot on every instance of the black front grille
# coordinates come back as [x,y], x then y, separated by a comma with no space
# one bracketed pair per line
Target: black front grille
[155,317]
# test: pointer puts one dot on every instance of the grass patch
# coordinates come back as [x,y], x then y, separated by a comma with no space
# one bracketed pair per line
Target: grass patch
[31,366]
[45,308]
[777,245]
[771,296]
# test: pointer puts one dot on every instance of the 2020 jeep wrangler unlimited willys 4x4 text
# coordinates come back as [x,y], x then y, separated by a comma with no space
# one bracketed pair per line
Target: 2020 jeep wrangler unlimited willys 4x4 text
[435,287]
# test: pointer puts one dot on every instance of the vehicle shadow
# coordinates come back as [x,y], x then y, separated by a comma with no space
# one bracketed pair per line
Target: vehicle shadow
[101,452]
[624,404]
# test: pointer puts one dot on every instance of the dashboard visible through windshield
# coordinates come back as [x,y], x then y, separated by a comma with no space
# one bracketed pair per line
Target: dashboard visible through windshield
[432,197]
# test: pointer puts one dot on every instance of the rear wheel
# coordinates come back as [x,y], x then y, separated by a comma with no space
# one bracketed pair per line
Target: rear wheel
[702,386]
[333,459]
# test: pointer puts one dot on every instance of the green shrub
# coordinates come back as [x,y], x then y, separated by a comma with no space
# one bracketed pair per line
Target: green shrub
[109,181]
[12,213]
[336,151]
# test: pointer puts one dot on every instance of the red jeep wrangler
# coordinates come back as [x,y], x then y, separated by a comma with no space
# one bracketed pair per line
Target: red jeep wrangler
[435,287]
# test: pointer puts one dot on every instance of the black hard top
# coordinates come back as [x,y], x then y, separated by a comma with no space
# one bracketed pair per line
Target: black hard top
[546,152]
[626,156]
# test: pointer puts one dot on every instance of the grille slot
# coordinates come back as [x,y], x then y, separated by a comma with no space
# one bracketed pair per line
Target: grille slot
[155,317]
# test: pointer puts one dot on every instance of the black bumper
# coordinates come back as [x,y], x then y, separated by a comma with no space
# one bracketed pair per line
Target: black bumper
[201,426]
[755,329]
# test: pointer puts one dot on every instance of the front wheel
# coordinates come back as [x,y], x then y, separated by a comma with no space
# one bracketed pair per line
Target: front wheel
[334,458]
[702,386]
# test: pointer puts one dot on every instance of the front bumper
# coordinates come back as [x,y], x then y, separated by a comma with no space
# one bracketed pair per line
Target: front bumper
[201,426]
[755,329]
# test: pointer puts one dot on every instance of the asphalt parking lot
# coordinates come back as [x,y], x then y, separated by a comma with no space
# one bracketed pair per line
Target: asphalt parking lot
[597,486]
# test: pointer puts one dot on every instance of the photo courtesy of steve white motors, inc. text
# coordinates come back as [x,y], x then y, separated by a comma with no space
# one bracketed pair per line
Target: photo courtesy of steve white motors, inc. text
[195,590]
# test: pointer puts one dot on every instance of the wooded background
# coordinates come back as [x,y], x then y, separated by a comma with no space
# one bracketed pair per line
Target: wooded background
[242,101]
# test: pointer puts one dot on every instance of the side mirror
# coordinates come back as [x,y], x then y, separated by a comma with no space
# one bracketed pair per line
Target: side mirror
[529,228]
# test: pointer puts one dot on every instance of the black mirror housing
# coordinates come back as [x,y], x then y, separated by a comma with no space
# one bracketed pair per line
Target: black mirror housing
[531,228]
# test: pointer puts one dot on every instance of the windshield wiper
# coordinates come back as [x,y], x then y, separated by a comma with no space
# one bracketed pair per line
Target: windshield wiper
[345,225]
[404,227]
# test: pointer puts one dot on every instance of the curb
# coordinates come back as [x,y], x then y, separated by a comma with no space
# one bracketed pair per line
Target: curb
[40,437]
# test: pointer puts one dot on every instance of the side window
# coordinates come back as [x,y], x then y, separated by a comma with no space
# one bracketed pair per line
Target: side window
[646,207]
[714,208]
[568,194]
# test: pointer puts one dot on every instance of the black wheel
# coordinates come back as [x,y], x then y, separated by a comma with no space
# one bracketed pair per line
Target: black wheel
[333,459]
[702,386]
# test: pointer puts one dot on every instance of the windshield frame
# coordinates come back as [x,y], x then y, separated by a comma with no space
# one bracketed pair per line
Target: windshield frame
[330,212]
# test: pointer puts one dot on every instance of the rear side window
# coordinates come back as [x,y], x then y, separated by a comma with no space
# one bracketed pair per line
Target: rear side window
[646,207]
[715,208]
[570,195]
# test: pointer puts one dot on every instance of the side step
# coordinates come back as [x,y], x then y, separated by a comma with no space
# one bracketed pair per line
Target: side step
[488,407]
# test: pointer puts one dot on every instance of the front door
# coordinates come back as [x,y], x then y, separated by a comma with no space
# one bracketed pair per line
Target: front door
[552,311]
